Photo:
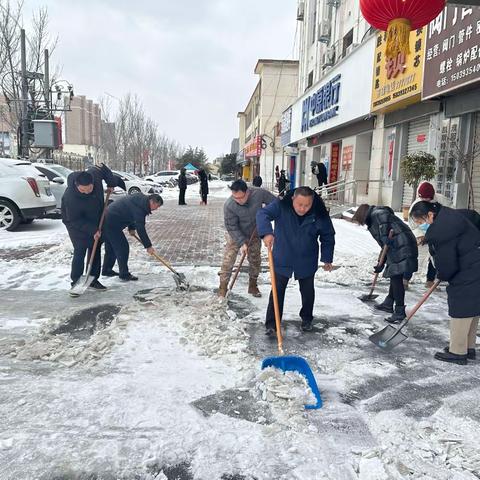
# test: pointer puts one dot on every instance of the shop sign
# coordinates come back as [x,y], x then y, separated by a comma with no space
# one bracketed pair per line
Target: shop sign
[421,138]
[240,157]
[286,127]
[452,58]
[397,82]
[254,147]
[347,156]
[322,105]
[334,159]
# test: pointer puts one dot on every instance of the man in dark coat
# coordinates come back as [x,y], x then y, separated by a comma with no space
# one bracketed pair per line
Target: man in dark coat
[101,173]
[202,175]
[182,185]
[301,219]
[320,171]
[454,244]
[130,212]
[81,212]
[282,184]
[402,254]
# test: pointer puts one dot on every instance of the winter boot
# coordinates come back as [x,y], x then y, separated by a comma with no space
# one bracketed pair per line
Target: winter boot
[385,306]
[471,353]
[398,315]
[451,357]
[222,289]
[307,325]
[253,288]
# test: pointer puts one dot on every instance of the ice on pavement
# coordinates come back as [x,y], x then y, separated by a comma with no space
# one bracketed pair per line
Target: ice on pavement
[118,403]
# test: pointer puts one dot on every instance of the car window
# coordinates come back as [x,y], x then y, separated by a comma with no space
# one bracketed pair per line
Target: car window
[49,174]
[63,171]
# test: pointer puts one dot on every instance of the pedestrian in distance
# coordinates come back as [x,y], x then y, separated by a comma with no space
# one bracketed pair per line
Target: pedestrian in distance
[240,212]
[454,243]
[182,185]
[257,181]
[301,220]
[128,212]
[81,212]
[202,176]
[283,182]
[402,254]
[320,171]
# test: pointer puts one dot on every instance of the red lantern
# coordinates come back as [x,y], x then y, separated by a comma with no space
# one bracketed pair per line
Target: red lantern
[398,18]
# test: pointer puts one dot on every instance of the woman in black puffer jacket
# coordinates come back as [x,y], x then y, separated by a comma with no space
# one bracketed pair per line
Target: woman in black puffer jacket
[454,243]
[402,255]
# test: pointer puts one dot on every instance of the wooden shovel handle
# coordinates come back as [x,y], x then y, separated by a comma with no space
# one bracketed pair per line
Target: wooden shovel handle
[100,225]
[242,259]
[423,299]
[275,301]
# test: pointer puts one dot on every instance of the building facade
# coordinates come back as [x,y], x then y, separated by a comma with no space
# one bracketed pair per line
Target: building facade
[260,148]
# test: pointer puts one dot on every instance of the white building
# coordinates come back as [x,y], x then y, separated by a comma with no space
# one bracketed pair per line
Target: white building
[260,148]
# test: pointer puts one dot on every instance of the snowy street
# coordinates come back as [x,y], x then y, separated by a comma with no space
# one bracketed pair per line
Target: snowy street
[146,382]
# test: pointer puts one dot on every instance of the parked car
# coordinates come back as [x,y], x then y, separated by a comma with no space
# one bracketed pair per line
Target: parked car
[213,177]
[165,177]
[228,177]
[191,178]
[135,184]
[57,176]
[25,193]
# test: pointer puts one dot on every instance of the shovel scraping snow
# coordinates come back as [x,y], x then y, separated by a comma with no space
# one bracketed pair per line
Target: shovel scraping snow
[284,362]
[389,337]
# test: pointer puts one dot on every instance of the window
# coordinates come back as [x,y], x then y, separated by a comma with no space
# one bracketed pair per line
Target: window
[310,80]
[347,41]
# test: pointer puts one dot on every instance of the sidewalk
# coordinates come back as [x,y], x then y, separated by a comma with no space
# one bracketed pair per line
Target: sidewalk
[191,234]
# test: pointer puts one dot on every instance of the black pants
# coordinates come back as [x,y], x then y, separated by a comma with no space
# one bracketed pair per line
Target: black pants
[116,249]
[181,196]
[307,290]
[397,290]
[80,249]
[431,271]
[204,197]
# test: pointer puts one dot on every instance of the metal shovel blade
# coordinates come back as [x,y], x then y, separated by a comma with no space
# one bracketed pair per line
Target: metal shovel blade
[300,365]
[368,298]
[82,284]
[181,281]
[388,338]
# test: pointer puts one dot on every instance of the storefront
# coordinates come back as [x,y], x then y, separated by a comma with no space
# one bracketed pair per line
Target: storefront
[332,123]
[251,163]
[407,126]
[452,72]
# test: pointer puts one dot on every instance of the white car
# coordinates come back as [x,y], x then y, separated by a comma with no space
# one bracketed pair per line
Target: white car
[135,184]
[164,177]
[57,175]
[25,193]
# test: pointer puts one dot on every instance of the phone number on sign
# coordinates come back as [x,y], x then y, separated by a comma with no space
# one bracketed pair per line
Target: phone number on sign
[465,72]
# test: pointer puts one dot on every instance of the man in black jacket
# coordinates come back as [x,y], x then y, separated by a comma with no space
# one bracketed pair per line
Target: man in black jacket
[182,185]
[101,173]
[130,212]
[81,212]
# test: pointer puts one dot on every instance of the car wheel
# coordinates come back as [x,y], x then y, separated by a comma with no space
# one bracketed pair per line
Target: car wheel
[9,216]
[134,190]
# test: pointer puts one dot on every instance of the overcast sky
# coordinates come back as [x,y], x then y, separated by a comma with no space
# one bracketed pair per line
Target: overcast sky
[190,61]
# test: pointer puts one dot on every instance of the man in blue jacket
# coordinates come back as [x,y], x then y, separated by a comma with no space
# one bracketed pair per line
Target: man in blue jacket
[300,220]
[130,212]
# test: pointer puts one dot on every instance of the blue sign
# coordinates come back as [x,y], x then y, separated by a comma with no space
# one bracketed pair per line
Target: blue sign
[322,105]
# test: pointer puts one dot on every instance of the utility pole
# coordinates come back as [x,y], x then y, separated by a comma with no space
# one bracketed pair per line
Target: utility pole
[25,150]
[46,90]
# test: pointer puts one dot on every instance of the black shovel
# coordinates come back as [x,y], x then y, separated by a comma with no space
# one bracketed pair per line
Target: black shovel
[389,337]
[381,261]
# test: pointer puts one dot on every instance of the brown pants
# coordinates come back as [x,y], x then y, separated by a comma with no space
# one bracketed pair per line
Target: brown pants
[463,333]
[230,255]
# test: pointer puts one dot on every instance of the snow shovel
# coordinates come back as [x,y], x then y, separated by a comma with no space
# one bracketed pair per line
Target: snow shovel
[389,337]
[179,278]
[381,260]
[242,259]
[284,362]
[86,280]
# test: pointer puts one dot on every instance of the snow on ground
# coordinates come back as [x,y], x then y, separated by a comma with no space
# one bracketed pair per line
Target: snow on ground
[115,400]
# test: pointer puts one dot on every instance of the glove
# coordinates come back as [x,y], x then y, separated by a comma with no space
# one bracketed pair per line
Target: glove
[378,268]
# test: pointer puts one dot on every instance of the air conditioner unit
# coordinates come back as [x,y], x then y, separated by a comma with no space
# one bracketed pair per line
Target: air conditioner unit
[328,58]
[324,32]
[301,11]
[333,3]
[350,48]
